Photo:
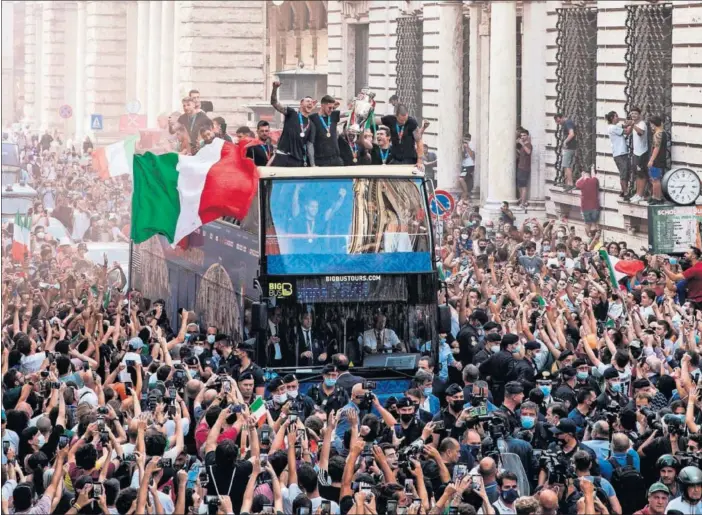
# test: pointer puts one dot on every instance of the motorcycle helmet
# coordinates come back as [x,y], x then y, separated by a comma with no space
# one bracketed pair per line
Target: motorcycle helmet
[689,476]
[667,460]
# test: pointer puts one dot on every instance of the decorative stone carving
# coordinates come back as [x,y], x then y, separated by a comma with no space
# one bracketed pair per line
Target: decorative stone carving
[354,8]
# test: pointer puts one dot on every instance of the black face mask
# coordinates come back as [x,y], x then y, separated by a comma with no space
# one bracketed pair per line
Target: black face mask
[457,406]
[406,417]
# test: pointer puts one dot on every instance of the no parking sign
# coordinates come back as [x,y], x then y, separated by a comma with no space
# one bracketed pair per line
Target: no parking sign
[441,204]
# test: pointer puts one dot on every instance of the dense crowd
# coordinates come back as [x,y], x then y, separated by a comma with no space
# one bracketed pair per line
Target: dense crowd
[563,386]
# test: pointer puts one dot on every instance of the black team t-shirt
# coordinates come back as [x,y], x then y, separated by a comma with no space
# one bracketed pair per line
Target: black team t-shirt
[403,148]
[326,142]
[377,154]
[260,153]
[291,141]
[347,150]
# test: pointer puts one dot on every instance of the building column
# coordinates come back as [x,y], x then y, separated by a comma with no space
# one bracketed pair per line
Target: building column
[142,53]
[8,62]
[79,101]
[30,60]
[154,75]
[534,19]
[175,80]
[69,69]
[41,123]
[450,94]
[53,64]
[167,49]
[475,88]
[503,106]
[480,140]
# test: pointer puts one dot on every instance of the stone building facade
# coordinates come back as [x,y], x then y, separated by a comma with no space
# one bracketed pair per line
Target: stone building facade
[475,67]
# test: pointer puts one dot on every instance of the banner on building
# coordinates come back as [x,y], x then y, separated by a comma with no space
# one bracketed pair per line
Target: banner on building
[672,229]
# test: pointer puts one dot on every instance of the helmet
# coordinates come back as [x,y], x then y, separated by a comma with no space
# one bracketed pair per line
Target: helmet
[668,460]
[689,476]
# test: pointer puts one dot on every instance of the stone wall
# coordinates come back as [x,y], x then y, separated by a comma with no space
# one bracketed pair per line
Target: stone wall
[224,61]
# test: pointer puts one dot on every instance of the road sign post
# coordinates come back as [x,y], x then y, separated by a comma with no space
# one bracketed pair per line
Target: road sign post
[442,204]
[65,111]
[96,122]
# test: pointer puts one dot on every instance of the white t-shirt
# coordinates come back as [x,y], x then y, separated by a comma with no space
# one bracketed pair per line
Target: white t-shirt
[467,160]
[640,142]
[293,491]
[684,507]
[616,137]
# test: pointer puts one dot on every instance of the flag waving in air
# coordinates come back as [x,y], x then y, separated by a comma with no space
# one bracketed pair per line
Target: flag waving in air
[620,268]
[174,194]
[20,237]
[116,159]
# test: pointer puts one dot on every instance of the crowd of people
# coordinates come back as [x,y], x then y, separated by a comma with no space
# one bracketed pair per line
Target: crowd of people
[563,385]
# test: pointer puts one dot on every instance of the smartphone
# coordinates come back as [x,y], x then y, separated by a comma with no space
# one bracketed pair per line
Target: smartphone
[97,490]
[265,436]
[398,430]
[165,463]
[101,424]
[292,418]
[63,442]
[129,362]
[86,366]
[459,472]
[302,510]
[204,477]
[171,411]
[408,486]
[5,447]
[226,387]
[391,507]
[326,507]
[264,459]
[477,479]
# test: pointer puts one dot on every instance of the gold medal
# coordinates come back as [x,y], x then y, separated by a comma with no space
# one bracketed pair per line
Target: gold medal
[328,134]
[355,160]
[302,134]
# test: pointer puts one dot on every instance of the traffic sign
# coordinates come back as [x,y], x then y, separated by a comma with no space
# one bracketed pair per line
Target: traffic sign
[441,204]
[132,123]
[133,106]
[96,122]
[65,111]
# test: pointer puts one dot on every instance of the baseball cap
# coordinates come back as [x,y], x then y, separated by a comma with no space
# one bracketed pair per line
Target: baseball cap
[136,343]
[658,487]
[566,426]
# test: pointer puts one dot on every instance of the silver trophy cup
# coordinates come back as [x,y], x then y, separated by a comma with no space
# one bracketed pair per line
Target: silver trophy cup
[363,107]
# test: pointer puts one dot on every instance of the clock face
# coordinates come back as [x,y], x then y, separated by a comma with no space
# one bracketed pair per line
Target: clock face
[683,186]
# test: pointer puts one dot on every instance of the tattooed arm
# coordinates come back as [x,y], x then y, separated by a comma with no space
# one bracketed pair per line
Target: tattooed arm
[310,153]
[274,98]
[420,146]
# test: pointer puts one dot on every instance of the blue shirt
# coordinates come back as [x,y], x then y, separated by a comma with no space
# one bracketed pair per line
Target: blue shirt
[579,420]
[606,468]
[445,360]
[604,484]
[344,425]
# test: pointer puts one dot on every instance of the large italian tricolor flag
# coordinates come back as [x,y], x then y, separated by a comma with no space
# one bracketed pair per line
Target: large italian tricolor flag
[20,237]
[116,159]
[174,194]
[620,268]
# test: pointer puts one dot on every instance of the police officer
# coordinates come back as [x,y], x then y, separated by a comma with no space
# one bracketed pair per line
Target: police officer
[501,367]
[326,394]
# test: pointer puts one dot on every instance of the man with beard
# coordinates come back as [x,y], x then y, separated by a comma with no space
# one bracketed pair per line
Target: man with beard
[263,152]
[406,137]
[514,395]
[585,399]
[567,442]
[326,142]
[296,144]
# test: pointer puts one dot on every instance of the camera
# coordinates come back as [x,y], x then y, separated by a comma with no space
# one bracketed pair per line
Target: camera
[104,437]
[44,374]
[102,410]
[265,436]
[54,385]
[212,501]
[675,426]
[557,466]
[439,425]
[369,385]
[410,452]
[165,463]
[652,419]
[235,408]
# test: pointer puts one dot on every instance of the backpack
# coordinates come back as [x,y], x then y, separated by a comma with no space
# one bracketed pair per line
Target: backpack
[601,494]
[627,483]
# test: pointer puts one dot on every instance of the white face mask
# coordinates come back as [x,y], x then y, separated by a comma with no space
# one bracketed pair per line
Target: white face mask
[280,399]
[41,440]
[495,349]
[292,394]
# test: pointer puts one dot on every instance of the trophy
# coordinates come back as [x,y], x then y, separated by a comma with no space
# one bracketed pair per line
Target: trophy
[362,113]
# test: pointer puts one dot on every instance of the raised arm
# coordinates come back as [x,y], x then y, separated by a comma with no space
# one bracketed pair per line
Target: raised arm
[274,98]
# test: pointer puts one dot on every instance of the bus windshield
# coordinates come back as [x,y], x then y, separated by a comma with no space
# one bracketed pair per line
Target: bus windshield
[320,226]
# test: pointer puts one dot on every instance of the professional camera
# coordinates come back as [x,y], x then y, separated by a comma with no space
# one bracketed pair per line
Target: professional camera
[412,451]
[675,425]
[652,419]
[557,466]
[610,412]
[688,459]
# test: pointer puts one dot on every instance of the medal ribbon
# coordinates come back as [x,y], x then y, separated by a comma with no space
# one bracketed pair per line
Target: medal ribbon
[326,124]
[400,130]
[303,127]
[384,156]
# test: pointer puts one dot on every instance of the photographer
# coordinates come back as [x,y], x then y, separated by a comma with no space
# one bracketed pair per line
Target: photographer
[566,445]
[604,491]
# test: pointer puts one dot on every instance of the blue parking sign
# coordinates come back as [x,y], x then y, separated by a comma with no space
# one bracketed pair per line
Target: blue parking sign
[96,122]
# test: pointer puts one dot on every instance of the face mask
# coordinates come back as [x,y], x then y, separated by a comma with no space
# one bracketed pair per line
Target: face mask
[546,390]
[528,422]
[41,440]
[474,450]
[210,338]
[509,496]
[495,349]
[280,399]
[197,350]
[406,417]
[457,406]
[582,376]
[464,237]
[442,341]
[517,349]
[330,382]
[188,337]
[616,387]
[292,394]
[561,235]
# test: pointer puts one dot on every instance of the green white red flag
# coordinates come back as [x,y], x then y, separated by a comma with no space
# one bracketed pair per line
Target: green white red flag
[21,237]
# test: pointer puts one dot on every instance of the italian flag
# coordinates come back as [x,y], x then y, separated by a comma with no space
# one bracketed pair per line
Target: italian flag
[259,411]
[115,159]
[20,237]
[174,194]
[620,268]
